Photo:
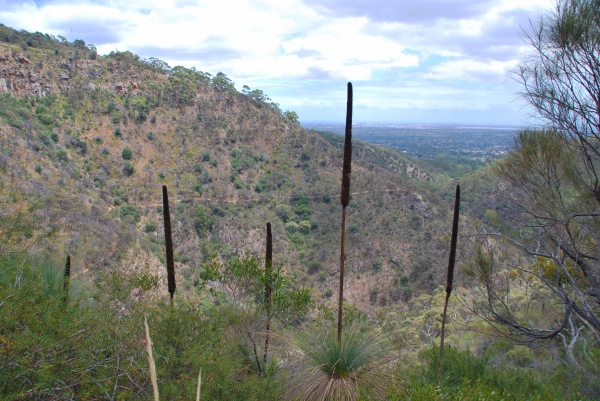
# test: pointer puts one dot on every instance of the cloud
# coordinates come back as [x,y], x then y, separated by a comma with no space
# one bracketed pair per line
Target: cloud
[401,56]
[411,12]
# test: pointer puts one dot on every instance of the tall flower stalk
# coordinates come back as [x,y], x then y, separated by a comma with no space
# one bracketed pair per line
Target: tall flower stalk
[67,277]
[450,277]
[268,289]
[169,244]
[345,199]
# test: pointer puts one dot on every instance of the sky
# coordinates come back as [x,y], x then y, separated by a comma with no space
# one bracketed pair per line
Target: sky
[424,61]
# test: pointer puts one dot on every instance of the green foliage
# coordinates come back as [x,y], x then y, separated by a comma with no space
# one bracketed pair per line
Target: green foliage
[242,287]
[61,155]
[284,212]
[291,116]
[304,227]
[339,371]
[222,83]
[130,213]
[243,280]
[202,221]
[128,169]
[127,154]
[76,350]
[467,377]
[150,227]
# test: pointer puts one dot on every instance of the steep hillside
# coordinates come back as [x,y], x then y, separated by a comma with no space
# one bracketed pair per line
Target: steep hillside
[93,138]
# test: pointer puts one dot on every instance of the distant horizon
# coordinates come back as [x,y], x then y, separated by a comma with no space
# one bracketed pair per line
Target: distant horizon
[402,124]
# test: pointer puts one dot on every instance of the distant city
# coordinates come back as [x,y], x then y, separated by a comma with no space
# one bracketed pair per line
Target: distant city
[431,140]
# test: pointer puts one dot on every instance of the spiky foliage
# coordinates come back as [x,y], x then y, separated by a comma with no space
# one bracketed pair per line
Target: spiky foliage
[168,244]
[345,199]
[450,277]
[333,370]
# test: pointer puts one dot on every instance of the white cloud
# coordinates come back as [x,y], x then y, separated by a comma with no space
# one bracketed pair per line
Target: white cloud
[459,62]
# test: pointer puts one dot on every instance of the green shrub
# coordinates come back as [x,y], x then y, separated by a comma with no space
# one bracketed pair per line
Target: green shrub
[127,154]
[128,169]
[304,227]
[521,355]
[61,155]
[130,213]
[46,119]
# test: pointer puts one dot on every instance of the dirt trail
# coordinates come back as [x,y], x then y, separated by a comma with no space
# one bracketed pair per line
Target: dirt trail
[200,198]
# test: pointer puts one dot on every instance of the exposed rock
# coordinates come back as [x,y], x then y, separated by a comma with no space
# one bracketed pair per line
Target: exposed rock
[418,205]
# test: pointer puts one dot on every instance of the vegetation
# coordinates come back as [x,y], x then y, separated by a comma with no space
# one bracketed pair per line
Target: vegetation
[267,330]
[551,177]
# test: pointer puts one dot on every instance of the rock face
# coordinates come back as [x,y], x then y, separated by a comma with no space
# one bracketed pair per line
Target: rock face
[19,77]
[418,205]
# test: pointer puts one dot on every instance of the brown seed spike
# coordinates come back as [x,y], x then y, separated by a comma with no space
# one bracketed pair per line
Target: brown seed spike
[268,263]
[450,278]
[168,243]
[67,276]
[268,290]
[347,166]
[452,258]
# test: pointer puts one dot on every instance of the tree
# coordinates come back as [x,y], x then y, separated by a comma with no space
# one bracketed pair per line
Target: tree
[127,154]
[291,115]
[561,80]
[222,83]
[551,177]
[242,282]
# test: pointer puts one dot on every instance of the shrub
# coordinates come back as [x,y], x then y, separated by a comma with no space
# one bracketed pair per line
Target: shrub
[61,155]
[314,266]
[127,154]
[46,119]
[353,228]
[130,213]
[284,212]
[150,227]
[291,226]
[128,169]
[304,227]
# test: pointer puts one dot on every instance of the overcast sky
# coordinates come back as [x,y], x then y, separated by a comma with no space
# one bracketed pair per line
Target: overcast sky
[423,61]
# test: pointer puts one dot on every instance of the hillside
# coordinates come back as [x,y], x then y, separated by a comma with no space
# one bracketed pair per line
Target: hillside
[93,138]
[86,143]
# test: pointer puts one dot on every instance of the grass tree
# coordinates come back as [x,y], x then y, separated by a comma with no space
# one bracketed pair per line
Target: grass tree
[449,278]
[345,200]
[332,370]
[169,244]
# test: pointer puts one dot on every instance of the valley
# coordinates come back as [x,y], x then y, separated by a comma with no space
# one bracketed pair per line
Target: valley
[88,141]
